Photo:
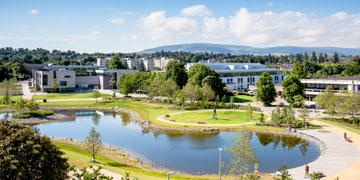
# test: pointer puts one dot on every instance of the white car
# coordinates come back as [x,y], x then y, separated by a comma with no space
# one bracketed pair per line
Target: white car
[251,93]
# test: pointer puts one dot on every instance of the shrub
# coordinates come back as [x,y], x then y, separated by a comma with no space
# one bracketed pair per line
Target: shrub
[39,113]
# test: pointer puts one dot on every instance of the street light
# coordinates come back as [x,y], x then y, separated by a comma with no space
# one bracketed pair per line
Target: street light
[170,173]
[220,149]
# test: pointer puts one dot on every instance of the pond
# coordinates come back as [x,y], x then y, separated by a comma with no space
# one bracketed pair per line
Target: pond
[191,153]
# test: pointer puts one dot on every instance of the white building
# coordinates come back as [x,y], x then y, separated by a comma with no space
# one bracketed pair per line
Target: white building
[239,76]
[101,61]
[315,86]
[162,62]
[148,64]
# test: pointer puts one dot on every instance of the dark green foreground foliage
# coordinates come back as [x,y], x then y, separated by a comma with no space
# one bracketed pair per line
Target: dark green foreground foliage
[25,154]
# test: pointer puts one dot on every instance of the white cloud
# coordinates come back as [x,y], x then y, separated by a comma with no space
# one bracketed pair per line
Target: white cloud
[132,37]
[294,28]
[34,11]
[157,26]
[270,3]
[116,20]
[214,28]
[197,10]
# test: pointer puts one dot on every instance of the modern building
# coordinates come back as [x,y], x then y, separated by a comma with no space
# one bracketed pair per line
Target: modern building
[103,61]
[70,77]
[239,76]
[162,62]
[315,86]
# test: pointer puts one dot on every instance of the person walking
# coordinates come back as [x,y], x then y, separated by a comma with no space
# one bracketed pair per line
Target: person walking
[307,171]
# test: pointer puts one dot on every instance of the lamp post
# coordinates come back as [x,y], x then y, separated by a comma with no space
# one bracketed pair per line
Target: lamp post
[220,150]
[170,173]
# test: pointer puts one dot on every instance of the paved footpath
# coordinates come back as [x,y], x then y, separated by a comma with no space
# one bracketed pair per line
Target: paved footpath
[339,155]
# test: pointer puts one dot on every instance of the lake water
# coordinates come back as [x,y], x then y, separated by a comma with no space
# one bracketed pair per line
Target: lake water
[192,153]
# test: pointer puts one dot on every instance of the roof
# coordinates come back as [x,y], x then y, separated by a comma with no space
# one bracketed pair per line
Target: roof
[346,78]
[242,67]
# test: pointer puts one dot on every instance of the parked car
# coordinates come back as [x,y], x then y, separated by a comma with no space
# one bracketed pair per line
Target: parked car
[251,93]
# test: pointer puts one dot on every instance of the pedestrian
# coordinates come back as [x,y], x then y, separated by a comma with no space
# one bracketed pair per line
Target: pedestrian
[307,171]
[344,135]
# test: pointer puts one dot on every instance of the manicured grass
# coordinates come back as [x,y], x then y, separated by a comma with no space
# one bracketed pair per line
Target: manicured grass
[148,112]
[223,117]
[355,130]
[80,158]
[39,113]
[12,98]
[242,99]
[50,96]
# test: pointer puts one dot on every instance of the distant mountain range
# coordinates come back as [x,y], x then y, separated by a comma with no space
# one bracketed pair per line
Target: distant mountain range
[237,49]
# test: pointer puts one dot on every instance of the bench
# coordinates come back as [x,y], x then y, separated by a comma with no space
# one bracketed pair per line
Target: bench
[201,122]
[348,140]
[172,120]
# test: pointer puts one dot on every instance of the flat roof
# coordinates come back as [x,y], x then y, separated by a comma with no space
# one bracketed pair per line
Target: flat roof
[346,78]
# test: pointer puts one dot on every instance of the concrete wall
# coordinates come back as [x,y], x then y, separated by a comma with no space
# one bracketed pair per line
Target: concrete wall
[87,80]
[67,76]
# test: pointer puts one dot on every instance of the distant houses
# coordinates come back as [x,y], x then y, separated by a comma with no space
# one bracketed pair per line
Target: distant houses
[138,63]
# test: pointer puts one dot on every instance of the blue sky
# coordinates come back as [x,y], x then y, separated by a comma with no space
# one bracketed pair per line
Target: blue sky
[134,25]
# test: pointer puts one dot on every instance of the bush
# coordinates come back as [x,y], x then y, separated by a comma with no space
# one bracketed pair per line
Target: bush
[39,113]
[242,93]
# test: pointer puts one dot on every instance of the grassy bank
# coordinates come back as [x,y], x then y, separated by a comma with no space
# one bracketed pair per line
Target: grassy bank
[223,117]
[341,125]
[39,113]
[51,96]
[148,111]
[80,158]
[242,99]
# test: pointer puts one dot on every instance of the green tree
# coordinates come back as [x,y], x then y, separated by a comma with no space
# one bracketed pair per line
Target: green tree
[242,156]
[199,75]
[6,97]
[27,155]
[112,82]
[32,105]
[321,58]
[169,89]
[115,63]
[126,84]
[304,115]
[262,118]
[313,56]
[93,143]
[180,99]
[20,104]
[207,93]
[292,87]
[54,85]
[250,112]
[298,101]
[327,100]
[353,102]
[288,116]
[335,58]
[306,56]
[192,92]
[88,173]
[176,71]
[284,173]
[276,116]
[298,71]
[265,91]
[95,93]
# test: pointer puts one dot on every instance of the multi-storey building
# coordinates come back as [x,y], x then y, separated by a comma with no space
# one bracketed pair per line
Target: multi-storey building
[161,63]
[148,64]
[239,76]
[103,61]
[315,86]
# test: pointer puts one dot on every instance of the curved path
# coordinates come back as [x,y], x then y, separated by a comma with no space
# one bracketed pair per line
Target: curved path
[340,157]
[162,119]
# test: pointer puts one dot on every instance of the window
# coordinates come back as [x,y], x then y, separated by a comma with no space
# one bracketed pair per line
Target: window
[67,76]
[63,83]
[45,80]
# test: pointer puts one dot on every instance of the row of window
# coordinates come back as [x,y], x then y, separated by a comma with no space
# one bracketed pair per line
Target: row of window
[235,74]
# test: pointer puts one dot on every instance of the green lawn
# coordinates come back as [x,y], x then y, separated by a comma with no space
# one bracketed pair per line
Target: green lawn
[50,96]
[147,112]
[223,117]
[355,130]
[77,156]
[13,98]
[242,99]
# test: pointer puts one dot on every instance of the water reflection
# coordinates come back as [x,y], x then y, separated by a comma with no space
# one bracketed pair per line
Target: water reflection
[184,151]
